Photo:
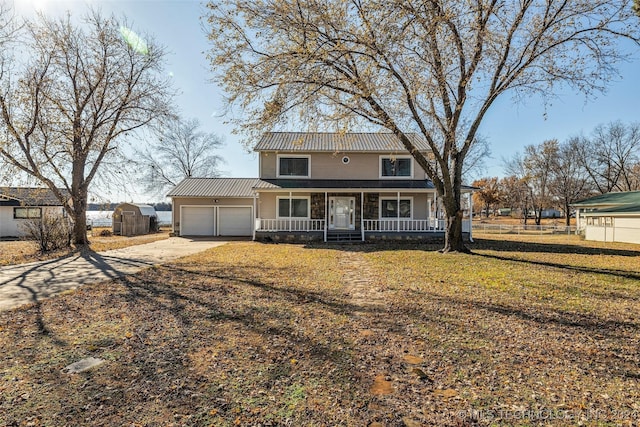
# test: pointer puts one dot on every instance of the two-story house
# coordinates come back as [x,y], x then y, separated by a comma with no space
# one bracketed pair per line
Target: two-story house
[318,186]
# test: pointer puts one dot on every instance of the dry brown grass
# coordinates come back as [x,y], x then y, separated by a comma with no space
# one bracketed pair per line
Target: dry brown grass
[537,332]
[23,251]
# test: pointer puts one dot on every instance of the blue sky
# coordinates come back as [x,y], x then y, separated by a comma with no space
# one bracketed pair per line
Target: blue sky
[509,126]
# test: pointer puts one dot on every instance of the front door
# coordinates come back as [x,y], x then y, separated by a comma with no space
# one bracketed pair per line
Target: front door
[342,213]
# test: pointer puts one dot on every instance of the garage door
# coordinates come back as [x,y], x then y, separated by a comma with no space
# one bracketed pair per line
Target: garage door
[197,221]
[234,221]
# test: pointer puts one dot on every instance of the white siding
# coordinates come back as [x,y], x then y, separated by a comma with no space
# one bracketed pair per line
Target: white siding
[10,227]
[627,229]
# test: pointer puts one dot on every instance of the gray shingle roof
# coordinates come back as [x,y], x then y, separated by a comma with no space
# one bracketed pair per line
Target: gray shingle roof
[31,196]
[336,142]
[214,187]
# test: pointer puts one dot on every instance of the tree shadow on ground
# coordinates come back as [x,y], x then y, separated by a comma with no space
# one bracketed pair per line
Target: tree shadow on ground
[554,248]
[626,274]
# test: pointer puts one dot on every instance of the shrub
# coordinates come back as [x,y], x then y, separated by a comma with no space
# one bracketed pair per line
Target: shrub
[51,232]
[106,233]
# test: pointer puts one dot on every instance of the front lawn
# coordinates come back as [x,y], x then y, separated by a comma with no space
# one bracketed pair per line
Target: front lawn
[542,332]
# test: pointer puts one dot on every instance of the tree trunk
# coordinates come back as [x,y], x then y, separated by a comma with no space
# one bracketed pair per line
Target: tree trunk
[538,215]
[567,214]
[80,221]
[79,195]
[453,241]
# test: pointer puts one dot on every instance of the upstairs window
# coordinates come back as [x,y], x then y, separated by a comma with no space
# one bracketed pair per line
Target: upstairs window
[27,213]
[293,166]
[396,167]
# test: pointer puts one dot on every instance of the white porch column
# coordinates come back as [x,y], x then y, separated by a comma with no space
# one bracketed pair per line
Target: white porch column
[362,215]
[428,213]
[435,212]
[290,203]
[255,214]
[470,196]
[326,216]
[398,213]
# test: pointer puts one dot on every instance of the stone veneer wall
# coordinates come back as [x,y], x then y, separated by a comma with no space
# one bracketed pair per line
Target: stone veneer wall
[371,204]
[317,205]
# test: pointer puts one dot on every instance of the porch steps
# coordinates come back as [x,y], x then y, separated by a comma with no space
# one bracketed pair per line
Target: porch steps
[344,237]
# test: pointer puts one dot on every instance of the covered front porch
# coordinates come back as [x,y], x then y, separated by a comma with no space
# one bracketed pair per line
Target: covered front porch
[410,211]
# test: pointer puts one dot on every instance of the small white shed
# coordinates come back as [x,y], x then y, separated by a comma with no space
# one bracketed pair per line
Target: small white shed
[132,219]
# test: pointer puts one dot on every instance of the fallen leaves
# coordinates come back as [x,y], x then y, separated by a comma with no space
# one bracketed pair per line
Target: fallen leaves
[252,334]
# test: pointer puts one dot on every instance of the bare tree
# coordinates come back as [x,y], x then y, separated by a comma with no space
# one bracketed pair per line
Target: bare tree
[515,195]
[569,181]
[609,155]
[70,107]
[434,67]
[540,161]
[180,151]
[8,30]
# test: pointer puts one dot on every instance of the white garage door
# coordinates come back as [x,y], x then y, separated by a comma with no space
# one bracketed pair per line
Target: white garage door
[234,221]
[197,221]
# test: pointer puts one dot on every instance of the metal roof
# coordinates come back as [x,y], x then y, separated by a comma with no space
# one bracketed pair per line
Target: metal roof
[341,184]
[625,210]
[30,196]
[610,199]
[214,187]
[247,187]
[336,142]
[143,209]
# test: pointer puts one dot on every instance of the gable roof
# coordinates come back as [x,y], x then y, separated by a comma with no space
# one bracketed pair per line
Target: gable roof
[142,208]
[214,187]
[336,142]
[30,196]
[610,199]
[624,210]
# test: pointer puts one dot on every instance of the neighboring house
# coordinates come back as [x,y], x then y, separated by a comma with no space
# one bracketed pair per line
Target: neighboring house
[550,213]
[611,217]
[20,204]
[318,186]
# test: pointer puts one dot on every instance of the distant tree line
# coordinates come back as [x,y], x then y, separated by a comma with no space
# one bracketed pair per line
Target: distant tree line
[553,174]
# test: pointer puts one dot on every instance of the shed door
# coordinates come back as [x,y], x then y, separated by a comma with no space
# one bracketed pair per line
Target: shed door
[197,221]
[234,221]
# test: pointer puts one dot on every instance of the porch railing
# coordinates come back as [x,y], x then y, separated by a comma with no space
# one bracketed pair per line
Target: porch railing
[293,224]
[370,225]
[406,225]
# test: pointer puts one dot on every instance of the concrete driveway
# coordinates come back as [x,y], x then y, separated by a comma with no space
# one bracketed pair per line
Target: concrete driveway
[29,283]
